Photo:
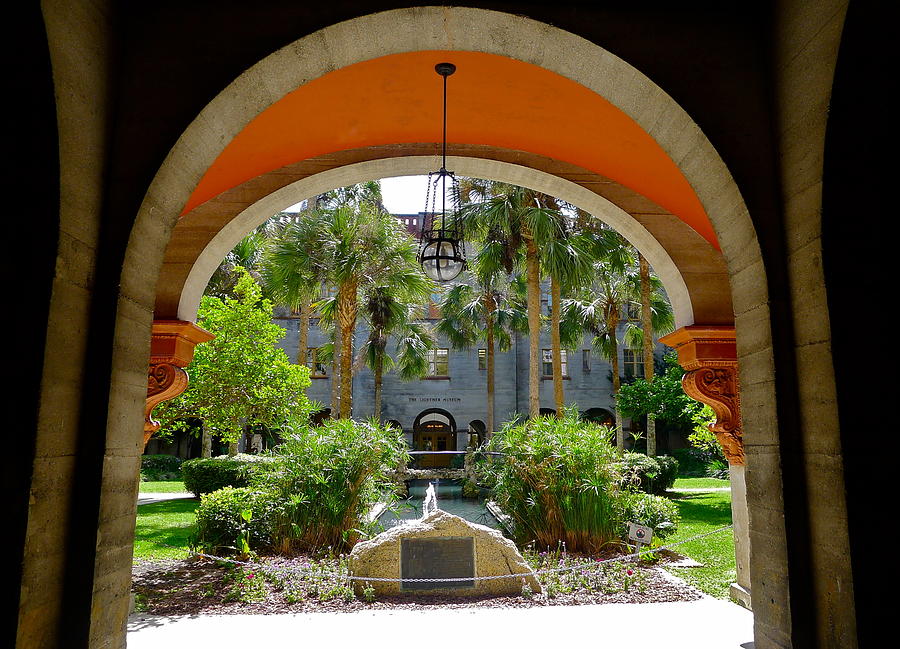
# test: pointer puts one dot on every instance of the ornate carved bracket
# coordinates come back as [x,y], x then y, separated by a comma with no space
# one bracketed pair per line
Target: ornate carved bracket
[709,358]
[171,349]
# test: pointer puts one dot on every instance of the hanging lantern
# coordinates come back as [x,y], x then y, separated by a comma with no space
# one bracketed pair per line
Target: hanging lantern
[442,253]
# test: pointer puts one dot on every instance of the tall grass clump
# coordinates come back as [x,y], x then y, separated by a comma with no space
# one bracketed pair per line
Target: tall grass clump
[558,480]
[325,480]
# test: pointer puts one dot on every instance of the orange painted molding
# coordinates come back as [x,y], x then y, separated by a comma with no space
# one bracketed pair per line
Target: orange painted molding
[709,357]
[171,350]
[703,346]
[173,341]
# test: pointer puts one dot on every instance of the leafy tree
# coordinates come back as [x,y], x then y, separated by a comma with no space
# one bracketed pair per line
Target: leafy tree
[240,378]
[663,397]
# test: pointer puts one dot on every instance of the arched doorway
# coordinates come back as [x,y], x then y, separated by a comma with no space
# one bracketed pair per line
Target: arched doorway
[600,416]
[477,433]
[434,430]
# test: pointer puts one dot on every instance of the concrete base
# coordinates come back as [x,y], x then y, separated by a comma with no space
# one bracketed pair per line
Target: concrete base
[740,595]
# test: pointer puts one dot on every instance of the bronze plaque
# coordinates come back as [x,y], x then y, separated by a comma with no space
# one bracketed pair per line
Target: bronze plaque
[438,557]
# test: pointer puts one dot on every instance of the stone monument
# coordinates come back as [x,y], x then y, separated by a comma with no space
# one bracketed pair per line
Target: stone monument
[441,545]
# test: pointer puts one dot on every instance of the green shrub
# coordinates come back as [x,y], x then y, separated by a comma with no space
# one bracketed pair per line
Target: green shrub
[691,462]
[558,481]
[229,517]
[205,475]
[160,467]
[656,512]
[648,474]
[325,480]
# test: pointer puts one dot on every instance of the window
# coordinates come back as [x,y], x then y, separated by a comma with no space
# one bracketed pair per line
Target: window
[633,362]
[437,362]
[547,364]
[633,311]
[586,361]
[317,367]
[482,359]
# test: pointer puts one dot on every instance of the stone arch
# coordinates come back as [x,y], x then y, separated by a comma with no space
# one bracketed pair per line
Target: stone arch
[606,211]
[435,28]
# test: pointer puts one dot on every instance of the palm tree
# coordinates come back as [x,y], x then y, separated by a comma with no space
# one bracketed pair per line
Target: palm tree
[568,260]
[362,248]
[599,309]
[514,222]
[486,309]
[390,307]
[247,253]
[656,319]
[295,272]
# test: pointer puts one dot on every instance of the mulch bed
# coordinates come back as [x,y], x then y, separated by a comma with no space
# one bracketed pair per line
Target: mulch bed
[198,586]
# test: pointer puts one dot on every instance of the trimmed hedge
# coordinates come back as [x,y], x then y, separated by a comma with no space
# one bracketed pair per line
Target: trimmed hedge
[205,475]
[227,515]
[652,475]
[160,467]
[691,462]
[656,512]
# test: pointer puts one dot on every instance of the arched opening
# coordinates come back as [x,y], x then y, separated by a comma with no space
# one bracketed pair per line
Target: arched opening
[273,160]
[434,431]
[600,416]
[477,433]
[576,59]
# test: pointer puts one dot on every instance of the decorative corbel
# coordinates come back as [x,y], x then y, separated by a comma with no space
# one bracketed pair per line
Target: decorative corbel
[171,350]
[709,357]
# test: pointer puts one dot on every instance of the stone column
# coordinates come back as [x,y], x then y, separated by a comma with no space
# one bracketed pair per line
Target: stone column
[708,354]
[171,350]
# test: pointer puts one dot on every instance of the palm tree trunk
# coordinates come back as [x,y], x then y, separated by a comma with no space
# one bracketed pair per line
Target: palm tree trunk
[533,279]
[336,374]
[303,333]
[556,346]
[379,378]
[489,352]
[611,324]
[647,331]
[347,309]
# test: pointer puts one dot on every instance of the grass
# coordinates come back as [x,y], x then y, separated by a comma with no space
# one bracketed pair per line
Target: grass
[162,486]
[704,512]
[700,483]
[164,524]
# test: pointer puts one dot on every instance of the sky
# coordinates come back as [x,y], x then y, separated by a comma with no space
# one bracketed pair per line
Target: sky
[402,195]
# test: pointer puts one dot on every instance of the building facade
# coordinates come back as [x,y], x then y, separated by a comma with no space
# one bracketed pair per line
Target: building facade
[447,408]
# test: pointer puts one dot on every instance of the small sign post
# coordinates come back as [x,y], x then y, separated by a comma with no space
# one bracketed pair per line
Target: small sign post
[639,534]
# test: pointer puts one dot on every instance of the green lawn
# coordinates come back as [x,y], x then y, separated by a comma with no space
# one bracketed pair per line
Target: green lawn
[162,486]
[700,483]
[704,512]
[164,524]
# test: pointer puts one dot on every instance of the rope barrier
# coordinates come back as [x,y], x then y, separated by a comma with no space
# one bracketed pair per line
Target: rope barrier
[630,558]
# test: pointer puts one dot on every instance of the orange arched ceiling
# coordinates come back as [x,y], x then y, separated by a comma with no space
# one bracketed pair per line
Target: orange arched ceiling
[492,100]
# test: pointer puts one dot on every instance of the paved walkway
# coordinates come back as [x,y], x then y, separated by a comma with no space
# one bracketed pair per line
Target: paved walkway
[150,497]
[704,624]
